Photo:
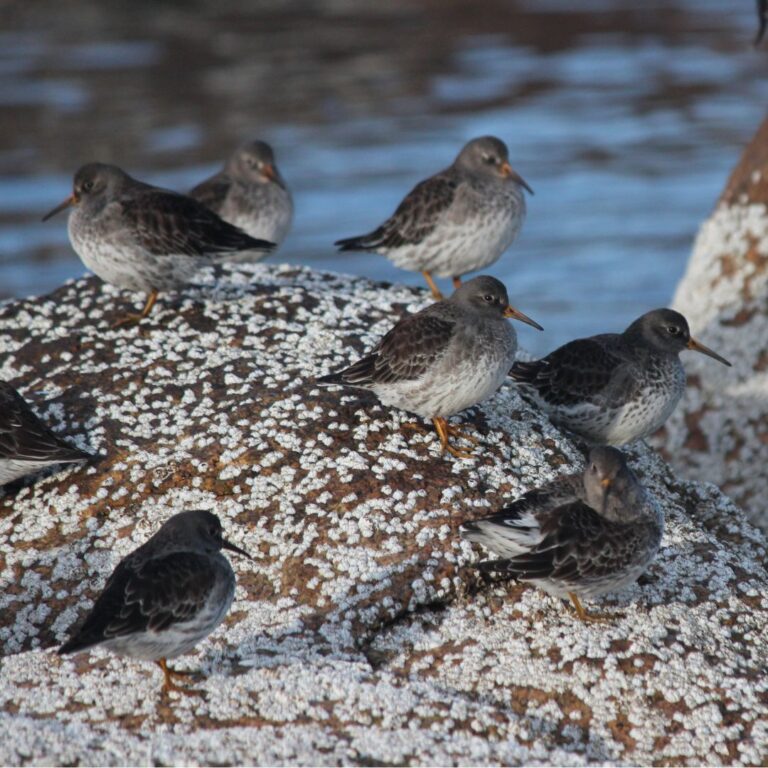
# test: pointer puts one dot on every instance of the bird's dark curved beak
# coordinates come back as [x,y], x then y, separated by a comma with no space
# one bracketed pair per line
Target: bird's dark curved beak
[233,548]
[508,172]
[698,347]
[515,314]
[71,200]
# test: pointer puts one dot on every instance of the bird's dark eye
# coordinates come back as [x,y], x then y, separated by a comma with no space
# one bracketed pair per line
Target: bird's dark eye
[593,469]
[215,531]
[673,330]
[87,186]
[488,298]
[489,159]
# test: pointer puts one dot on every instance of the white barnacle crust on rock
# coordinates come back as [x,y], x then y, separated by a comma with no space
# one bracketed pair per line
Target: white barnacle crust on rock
[719,432]
[359,634]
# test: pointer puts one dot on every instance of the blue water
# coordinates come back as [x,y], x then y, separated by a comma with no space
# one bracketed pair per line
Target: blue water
[624,120]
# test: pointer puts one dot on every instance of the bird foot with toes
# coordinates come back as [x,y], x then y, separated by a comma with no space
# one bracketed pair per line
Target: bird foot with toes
[131,319]
[169,685]
[414,426]
[602,617]
[135,319]
[446,431]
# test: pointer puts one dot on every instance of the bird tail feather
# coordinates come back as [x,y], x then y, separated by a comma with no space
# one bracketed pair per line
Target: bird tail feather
[368,242]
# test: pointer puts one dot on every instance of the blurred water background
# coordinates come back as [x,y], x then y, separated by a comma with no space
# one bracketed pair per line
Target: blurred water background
[625,117]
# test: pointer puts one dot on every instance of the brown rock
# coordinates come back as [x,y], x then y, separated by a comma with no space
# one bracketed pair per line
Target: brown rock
[360,634]
[719,433]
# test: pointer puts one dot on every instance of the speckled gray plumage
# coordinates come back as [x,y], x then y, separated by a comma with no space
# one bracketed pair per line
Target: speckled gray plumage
[144,238]
[250,193]
[26,444]
[615,387]
[445,358]
[459,220]
[164,597]
[585,534]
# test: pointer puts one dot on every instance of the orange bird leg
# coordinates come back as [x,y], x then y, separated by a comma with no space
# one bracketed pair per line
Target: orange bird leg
[435,290]
[446,430]
[132,318]
[600,618]
[169,673]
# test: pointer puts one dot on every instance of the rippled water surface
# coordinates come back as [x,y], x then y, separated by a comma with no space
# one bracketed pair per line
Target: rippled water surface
[624,117]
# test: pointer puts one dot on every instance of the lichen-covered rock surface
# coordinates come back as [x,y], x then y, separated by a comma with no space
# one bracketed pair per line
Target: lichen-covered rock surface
[359,635]
[719,433]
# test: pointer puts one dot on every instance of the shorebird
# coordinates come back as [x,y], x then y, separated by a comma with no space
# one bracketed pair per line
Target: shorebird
[143,238]
[250,193]
[616,387]
[26,444]
[578,537]
[459,220]
[165,597]
[445,358]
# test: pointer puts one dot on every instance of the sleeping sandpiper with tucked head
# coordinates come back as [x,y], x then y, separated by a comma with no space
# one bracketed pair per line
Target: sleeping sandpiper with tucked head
[250,193]
[164,597]
[459,220]
[143,238]
[26,444]
[578,537]
[445,358]
[616,387]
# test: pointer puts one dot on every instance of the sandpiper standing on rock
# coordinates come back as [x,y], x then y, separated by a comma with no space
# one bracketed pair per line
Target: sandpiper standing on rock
[164,597]
[616,387]
[144,238]
[445,358]
[579,536]
[459,220]
[250,193]
[26,444]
